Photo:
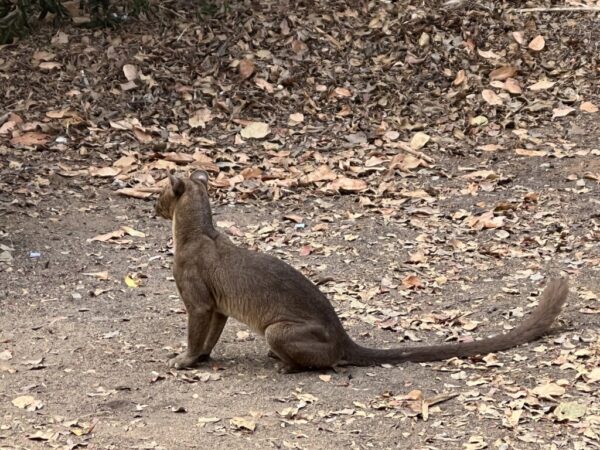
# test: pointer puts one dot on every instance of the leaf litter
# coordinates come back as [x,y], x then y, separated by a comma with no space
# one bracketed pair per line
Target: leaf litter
[424,161]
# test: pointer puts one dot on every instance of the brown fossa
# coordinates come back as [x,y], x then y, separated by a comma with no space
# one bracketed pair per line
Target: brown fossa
[217,280]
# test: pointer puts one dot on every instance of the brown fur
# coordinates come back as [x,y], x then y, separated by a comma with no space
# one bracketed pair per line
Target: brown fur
[217,280]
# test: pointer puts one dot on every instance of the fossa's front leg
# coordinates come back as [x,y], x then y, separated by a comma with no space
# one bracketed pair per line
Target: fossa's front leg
[201,315]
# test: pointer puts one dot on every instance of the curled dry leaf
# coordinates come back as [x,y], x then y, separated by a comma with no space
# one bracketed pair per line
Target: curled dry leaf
[104,172]
[347,184]
[130,72]
[242,423]
[460,78]
[419,140]
[503,73]
[537,44]
[541,85]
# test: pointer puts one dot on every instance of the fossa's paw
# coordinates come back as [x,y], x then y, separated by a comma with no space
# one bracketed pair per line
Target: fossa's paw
[185,361]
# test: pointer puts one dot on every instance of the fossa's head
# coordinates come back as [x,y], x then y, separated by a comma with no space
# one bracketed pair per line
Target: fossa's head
[195,185]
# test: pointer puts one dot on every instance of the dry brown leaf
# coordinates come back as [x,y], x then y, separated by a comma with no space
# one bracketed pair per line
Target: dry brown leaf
[246,68]
[347,184]
[487,54]
[588,107]
[525,152]
[481,174]
[104,172]
[108,236]
[460,78]
[31,138]
[419,140]
[549,391]
[242,423]
[200,118]
[503,73]
[405,162]
[519,37]
[342,92]
[541,85]
[322,173]
[50,65]
[537,44]
[255,130]
[295,119]
[562,111]
[513,86]
[491,97]
[132,232]
[178,157]
[412,281]
[130,72]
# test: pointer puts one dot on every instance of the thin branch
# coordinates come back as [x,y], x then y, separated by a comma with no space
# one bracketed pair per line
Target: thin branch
[575,9]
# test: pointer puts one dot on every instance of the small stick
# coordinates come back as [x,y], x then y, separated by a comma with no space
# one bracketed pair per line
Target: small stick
[405,147]
[575,9]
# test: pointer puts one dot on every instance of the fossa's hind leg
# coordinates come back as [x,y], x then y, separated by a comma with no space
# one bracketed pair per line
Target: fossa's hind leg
[302,346]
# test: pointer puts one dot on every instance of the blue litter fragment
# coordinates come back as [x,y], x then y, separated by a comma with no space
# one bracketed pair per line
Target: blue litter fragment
[34,254]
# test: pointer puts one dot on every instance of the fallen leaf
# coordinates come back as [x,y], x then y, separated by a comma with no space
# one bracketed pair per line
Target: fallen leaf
[562,111]
[104,172]
[322,173]
[200,118]
[513,86]
[460,78]
[347,184]
[588,107]
[246,68]
[131,282]
[108,236]
[31,138]
[541,85]
[549,390]
[537,43]
[27,402]
[100,275]
[491,97]
[525,152]
[130,72]
[570,411]
[243,424]
[255,130]
[503,73]
[419,140]
[131,232]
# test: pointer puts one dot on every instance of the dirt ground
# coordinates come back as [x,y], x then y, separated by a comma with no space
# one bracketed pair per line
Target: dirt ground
[455,243]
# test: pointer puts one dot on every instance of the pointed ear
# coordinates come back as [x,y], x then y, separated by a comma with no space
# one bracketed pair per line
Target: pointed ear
[177,185]
[200,176]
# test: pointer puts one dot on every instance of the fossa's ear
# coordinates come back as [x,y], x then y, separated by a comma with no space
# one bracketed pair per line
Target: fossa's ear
[177,185]
[200,176]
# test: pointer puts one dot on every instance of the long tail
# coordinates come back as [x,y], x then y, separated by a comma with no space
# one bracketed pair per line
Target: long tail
[535,326]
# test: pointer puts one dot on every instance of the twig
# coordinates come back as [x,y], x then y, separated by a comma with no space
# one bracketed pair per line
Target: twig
[405,147]
[575,9]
